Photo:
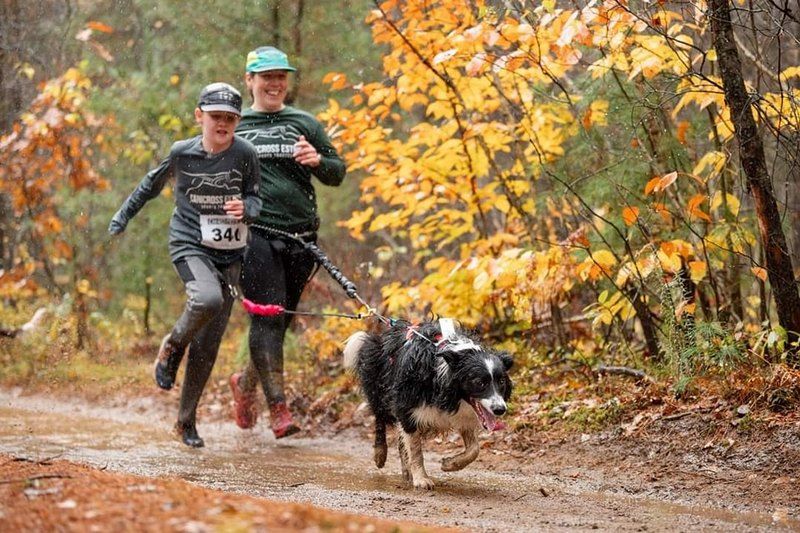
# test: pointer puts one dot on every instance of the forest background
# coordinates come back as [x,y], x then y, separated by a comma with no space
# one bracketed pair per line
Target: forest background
[601,187]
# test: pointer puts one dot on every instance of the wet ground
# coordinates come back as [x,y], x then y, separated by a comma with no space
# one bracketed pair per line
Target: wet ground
[338,474]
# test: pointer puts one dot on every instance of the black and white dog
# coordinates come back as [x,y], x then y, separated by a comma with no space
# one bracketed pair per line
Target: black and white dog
[428,379]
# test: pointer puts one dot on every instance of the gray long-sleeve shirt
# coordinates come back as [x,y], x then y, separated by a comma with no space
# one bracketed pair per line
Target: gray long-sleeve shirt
[203,183]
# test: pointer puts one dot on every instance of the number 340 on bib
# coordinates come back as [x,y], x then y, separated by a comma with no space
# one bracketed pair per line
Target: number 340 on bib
[223,232]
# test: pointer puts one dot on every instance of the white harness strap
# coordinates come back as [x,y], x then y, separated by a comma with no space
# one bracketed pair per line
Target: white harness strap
[448,327]
[453,342]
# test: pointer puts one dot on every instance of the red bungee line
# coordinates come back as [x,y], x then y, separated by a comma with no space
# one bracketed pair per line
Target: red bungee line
[262,309]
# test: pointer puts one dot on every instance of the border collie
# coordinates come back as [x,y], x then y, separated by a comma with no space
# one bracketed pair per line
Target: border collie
[429,379]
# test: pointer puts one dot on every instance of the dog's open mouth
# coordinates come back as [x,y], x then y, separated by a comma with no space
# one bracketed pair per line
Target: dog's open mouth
[487,418]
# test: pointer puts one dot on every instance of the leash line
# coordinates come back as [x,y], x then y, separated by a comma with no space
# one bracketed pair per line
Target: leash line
[358,316]
[323,261]
[348,286]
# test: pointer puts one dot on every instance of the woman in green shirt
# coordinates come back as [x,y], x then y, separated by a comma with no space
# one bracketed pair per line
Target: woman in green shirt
[292,148]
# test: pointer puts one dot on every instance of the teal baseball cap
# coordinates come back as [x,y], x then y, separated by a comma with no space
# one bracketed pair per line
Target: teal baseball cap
[266,58]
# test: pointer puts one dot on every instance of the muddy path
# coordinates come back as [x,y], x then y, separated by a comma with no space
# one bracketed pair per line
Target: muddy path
[337,473]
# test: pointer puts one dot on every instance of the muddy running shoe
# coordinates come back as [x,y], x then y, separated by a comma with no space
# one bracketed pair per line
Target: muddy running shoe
[167,362]
[189,436]
[245,410]
[281,421]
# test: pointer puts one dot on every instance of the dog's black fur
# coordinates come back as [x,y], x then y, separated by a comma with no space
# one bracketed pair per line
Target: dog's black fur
[425,384]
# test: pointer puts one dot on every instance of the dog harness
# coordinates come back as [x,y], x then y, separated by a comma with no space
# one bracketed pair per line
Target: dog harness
[447,339]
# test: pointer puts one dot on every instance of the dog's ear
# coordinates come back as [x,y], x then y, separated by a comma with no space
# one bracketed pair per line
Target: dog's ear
[449,356]
[506,359]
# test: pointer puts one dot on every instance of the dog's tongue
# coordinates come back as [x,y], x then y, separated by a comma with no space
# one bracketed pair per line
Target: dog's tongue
[488,420]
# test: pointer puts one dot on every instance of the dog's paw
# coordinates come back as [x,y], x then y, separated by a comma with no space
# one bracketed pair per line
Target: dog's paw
[379,454]
[423,483]
[451,464]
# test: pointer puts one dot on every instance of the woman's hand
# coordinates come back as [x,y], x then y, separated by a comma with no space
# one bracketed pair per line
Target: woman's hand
[234,208]
[305,153]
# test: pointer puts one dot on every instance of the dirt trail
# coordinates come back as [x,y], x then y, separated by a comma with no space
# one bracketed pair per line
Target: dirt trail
[338,474]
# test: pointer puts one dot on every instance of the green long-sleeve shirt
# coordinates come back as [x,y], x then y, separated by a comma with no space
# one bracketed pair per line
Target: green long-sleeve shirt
[289,200]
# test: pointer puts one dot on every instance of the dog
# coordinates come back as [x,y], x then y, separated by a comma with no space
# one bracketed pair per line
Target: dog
[428,379]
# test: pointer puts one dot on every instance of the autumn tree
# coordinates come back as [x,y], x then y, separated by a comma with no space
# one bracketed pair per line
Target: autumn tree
[751,153]
[47,169]
[552,164]
[34,43]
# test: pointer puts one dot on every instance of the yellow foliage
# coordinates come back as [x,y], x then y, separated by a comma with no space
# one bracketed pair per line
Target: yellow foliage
[608,307]
[479,109]
[781,108]
[731,202]
[698,270]
[699,91]
[711,164]
[327,341]
[597,265]
[670,262]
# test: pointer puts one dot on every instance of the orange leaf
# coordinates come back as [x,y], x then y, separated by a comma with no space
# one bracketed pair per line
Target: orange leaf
[587,119]
[659,183]
[99,26]
[683,127]
[694,207]
[760,273]
[703,215]
[629,215]
[662,210]
[651,185]
[336,80]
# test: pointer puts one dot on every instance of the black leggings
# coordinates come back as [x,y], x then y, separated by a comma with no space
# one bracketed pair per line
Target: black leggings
[274,271]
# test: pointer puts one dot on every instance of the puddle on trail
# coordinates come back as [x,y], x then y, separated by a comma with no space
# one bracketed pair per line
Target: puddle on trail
[339,474]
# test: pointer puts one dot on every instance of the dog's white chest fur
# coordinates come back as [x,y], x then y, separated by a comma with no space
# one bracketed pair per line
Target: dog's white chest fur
[434,419]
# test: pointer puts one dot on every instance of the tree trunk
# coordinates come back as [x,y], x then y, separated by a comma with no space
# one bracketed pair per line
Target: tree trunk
[276,24]
[10,42]
[558,324]
[297,49]
[751,153]
[10,105]
[649,330]
[790,153]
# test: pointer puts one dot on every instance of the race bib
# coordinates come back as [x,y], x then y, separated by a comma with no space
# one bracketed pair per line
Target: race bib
[223,232]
